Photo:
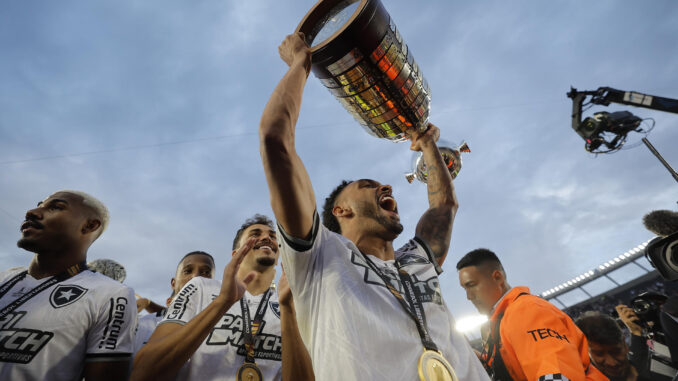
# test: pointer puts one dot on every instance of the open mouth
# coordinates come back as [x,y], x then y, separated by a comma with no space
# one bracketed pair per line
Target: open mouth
[29,224]
[388,203]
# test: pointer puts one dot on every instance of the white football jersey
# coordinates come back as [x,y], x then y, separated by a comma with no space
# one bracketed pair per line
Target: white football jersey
[145,328]
[352,325]
[88,317]
[222,352]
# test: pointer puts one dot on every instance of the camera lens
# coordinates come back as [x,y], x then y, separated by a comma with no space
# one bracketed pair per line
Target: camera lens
[671,256]
[641,307]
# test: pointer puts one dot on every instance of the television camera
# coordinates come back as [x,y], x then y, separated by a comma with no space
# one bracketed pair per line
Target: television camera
[606,132]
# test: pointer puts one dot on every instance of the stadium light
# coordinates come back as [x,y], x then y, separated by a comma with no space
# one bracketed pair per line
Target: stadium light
[604,268]
[470,323]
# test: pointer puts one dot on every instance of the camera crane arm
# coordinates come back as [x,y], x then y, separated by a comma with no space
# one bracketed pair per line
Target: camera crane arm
[606,95]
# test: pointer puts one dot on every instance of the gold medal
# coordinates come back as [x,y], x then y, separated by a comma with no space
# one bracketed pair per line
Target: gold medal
[249,372]
[434,367]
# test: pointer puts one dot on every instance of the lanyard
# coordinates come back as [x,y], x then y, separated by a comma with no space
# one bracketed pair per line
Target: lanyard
[413,306]
[71,271]
[251,328]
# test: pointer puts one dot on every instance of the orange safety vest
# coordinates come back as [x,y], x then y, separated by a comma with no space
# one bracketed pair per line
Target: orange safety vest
[537,341]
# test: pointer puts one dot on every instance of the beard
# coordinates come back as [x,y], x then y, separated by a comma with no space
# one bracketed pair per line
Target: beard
[31,244]
[266,261]
[27,245]
[47,243]
[371,211]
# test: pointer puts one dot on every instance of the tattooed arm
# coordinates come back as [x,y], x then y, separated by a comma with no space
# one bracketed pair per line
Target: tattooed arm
[435,226]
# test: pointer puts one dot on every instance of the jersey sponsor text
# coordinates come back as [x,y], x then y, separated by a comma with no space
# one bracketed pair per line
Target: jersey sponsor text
[116,319]
[20,345]
[229,332]
[179,304]
[542,333]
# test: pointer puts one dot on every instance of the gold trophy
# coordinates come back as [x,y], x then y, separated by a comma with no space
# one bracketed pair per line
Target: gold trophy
[360,56]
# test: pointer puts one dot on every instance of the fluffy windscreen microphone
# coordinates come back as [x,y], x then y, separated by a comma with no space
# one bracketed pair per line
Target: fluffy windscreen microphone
[110,268]
[661,222]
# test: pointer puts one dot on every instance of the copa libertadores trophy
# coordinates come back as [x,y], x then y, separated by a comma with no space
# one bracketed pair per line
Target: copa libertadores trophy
[360,56]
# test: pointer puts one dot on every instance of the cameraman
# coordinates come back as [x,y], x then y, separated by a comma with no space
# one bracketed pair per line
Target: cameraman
[607,348]
[643,351]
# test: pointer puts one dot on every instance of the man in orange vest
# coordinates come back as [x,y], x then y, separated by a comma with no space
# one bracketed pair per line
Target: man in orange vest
[529,338]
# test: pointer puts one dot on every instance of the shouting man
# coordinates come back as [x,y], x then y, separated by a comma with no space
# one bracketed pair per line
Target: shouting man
[365,310]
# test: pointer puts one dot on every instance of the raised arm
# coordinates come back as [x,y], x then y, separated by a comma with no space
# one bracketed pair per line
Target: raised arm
[292,197]
[172,344]
[435,226]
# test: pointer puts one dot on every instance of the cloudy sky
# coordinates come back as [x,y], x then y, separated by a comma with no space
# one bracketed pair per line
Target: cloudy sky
[153,106]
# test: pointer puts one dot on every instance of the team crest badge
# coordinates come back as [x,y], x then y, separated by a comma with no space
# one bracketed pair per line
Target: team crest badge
[64,295]
[275,307]
[409,259]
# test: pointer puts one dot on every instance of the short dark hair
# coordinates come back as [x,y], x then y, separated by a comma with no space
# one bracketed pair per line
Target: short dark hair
[258,219]
[600,328]
[480,257]
[197,252]
[329,220]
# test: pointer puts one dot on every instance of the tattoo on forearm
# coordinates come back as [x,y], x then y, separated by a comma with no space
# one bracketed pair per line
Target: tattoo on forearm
[435,227]
[433,180]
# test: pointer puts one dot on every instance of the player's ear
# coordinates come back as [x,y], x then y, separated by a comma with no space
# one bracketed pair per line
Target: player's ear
[91,226]
[339,211]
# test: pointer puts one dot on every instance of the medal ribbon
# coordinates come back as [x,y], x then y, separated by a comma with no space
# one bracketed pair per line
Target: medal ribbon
[71,271]
[413,306]
[251,328]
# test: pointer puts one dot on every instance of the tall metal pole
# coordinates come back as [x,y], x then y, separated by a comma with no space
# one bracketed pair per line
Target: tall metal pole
[661,159]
